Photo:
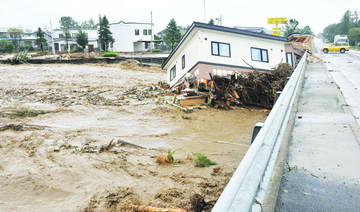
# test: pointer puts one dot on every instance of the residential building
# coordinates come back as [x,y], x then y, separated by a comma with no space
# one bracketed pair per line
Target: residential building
[131,36]
[262,30]
[27,38]
[60,40]
[222,50]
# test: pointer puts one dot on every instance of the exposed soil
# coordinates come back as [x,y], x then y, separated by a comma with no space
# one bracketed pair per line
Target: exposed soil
[44,168]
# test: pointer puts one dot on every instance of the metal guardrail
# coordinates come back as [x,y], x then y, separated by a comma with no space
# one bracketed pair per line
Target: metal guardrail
[247,187]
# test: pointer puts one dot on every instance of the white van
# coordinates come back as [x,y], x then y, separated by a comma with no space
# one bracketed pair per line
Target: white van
[341,39]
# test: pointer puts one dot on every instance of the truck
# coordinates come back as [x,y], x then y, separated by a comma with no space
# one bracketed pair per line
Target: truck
[341,39]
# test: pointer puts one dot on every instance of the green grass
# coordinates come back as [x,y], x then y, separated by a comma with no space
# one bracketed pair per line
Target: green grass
[355,47]
[110,54]
[202,161]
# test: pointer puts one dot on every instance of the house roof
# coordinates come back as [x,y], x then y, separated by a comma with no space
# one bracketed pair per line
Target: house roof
[222,29]
[130,23]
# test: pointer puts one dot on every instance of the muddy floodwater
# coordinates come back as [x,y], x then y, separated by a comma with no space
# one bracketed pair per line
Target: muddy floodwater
[55,112]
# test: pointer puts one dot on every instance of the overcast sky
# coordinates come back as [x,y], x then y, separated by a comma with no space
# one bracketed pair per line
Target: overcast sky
[315,13]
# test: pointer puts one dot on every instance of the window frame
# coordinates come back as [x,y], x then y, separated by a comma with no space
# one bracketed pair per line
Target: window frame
[173,73]
[261,55]
[144,31]
[218,49]
[291,57]
[149,32]
[183,64]
[137,32]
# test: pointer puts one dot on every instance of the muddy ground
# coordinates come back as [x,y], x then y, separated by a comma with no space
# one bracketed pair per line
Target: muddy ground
[57,111]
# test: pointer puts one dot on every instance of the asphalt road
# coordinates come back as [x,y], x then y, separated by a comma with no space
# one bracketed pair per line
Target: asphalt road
[345,69]
[323,163]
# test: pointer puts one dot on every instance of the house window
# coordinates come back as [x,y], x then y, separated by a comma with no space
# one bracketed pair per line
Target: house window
[173,73]
[183,62]
[137,32]
[74,35]
[289,59]
[145,32]
[220,49]
[149,32]
[2,34]
[260,55]
[147,45]
[61,35]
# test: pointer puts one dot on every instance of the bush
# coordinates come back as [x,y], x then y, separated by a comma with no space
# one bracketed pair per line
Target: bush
[156,50]
[110,54]
[78,49]
[24,48]
[202,161]
[6,46]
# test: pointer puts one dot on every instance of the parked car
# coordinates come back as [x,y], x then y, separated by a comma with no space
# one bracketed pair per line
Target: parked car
[342,47]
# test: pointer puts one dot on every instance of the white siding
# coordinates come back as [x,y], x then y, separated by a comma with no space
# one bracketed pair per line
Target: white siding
[240,48]
[124,35]
[191,50]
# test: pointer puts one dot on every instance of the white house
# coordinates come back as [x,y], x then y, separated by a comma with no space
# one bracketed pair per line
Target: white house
[222,50]
[60,41]
[131,36]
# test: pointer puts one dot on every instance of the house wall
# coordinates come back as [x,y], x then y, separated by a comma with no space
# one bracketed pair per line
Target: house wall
[198,49]
[240,49]
[191,50]
[124,35]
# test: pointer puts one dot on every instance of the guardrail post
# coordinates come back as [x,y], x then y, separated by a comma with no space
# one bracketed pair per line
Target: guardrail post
[256,130]
[277,95]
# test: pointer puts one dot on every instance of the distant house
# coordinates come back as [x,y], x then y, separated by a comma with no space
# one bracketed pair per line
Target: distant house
[261,30]
[222,50]
[131,36]
[60,41]
[27,38]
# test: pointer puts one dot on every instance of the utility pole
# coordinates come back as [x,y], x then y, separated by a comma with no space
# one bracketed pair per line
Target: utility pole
[204,12]
[151,43]
[52,38]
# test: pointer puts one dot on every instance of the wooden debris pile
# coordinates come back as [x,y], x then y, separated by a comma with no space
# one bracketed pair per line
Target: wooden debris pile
[249,89]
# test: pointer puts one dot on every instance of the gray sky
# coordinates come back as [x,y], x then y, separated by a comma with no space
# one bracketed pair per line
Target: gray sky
[315,13]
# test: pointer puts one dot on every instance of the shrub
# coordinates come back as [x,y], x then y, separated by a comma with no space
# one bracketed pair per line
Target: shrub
[6,46]
[110,54]
[78,49]
[24,48]
[202,161]
[156,50]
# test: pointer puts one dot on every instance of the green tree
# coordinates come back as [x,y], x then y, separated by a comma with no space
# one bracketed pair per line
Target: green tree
[105,34]
[345,23]
[212,22]
[306,30]
[354,36]
[172,34]
[67,37]
[15,35]
[291,27]
[67,22]
[330,32]
[82,39]
[89,24]
[40,39]
[6,46]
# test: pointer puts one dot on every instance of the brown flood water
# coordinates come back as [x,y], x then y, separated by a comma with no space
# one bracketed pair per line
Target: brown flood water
[89,104]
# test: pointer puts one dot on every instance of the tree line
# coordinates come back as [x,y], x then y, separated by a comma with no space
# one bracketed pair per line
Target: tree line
[349,25]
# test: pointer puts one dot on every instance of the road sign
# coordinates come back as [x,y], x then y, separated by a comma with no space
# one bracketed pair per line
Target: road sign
[277,20]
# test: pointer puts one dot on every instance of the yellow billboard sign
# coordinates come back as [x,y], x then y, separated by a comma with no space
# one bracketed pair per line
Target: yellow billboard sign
[277,20]
[276,29]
